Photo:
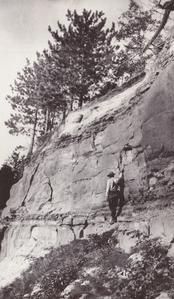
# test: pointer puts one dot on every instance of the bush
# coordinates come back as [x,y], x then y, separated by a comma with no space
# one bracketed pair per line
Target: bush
[97,268]
[149,273]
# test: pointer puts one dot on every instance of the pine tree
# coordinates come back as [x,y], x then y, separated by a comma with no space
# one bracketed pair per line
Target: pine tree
[83,61]
[85,52]
[51,90]
[25,104]
[133,26]
[36,100]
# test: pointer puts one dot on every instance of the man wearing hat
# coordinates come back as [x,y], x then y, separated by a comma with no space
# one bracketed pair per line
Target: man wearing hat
[113,194]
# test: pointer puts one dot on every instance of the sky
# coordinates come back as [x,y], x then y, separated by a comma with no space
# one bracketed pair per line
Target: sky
[23,31]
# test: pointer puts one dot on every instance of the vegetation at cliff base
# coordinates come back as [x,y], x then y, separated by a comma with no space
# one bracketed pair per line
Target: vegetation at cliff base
[97,268]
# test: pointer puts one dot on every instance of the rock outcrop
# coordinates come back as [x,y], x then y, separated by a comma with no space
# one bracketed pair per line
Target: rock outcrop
[62,193]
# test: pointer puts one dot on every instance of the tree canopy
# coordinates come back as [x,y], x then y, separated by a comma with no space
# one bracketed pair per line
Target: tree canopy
[84,59]
[133,27]
[85,51]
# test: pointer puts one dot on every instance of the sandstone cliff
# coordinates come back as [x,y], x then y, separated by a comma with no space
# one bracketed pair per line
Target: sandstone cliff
[62,193]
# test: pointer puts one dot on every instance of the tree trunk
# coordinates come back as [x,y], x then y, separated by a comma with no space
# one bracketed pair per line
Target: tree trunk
[71,105]
[162,25]
[81,102]
[47,120]
[52,120]
[64,114]
[30,152]
[82,94]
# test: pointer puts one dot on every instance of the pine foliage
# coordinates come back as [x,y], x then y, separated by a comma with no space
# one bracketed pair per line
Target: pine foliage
[83,61]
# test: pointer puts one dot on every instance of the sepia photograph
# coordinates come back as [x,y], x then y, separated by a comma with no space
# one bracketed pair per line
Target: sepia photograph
[87,149]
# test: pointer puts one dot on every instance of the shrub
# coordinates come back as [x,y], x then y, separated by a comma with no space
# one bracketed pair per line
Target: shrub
[97,268]
[149,274]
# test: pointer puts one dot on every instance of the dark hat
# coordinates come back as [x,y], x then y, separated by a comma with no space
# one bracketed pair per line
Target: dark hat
[111,174]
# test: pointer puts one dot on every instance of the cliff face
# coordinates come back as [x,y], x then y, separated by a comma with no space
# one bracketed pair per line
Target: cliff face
[62,193]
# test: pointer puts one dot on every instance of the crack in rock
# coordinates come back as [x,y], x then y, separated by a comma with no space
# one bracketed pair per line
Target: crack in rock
[71,228]
[31,230]
[81,234]
[51,190]
[51,193]
[31,181]
[93,141]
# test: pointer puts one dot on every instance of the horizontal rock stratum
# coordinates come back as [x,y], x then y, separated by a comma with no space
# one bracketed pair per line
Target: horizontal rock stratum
[61,195]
